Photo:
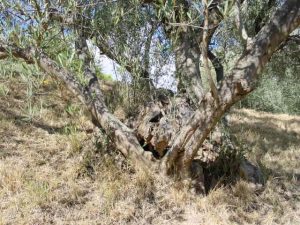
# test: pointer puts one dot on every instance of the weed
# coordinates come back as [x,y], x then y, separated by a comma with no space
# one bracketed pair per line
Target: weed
[3,90]
[39,191]
[76,143]
[72,110]
[69,129]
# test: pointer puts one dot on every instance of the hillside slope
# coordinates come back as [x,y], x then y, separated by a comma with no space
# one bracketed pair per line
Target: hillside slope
[56,168]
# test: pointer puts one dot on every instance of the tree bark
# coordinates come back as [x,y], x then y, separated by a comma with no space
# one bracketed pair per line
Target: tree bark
[187,59]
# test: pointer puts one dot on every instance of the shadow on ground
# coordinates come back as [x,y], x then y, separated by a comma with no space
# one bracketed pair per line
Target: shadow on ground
[276,137]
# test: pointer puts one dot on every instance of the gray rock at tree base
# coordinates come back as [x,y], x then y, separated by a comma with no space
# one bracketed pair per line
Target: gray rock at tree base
[197,177]
[250,172]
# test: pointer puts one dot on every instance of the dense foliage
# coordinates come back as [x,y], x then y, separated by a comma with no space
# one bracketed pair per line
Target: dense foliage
[279,89]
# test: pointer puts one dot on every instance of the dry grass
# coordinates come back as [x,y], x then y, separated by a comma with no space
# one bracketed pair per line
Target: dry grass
[51,171]
[273,140]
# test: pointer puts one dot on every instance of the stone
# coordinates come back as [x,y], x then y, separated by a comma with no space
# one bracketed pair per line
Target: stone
[250,172]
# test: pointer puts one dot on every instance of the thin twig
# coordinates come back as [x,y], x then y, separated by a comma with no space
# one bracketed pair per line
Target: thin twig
[191,25]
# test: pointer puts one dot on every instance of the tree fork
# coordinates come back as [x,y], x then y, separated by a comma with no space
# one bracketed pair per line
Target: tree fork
[237,85]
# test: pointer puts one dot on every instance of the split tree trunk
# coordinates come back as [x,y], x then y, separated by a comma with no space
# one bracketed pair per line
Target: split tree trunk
[237,85]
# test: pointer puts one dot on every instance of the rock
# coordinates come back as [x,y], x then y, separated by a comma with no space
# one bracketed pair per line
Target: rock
[250,172]
[197,177]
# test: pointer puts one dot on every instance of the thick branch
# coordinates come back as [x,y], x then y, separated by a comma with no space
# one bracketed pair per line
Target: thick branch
[205,54]
[240,25]
[187,57]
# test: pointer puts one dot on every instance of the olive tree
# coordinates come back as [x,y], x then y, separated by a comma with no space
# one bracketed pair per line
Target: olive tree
[169,131]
